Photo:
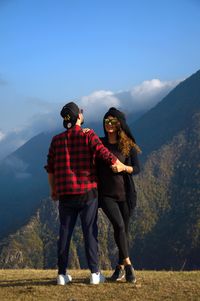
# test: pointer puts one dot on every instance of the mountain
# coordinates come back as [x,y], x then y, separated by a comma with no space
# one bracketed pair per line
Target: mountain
[165,228]
[23,183]
[169,116]
[167,232]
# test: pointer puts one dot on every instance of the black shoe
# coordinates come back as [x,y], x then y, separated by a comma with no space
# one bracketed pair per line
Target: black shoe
[129,273]
[118,274]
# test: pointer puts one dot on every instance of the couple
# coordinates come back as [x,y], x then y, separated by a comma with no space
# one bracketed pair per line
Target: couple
[77,161]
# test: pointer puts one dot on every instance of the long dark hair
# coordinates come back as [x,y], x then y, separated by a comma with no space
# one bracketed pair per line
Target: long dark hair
[126,140]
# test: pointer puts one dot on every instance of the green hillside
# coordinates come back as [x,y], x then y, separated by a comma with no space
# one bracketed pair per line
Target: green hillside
[167,226]
[34,245]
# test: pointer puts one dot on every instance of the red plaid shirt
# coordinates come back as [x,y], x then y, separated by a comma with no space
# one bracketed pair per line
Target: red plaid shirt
[71,159]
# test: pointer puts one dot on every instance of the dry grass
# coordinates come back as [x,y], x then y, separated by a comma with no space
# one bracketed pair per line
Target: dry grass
[20,285]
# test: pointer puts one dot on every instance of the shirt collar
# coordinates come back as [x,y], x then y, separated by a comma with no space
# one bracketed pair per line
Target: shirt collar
[76,127]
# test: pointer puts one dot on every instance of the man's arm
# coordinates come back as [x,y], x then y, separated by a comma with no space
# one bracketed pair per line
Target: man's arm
[100,151]
[133,168]
[50,170]
[52,187]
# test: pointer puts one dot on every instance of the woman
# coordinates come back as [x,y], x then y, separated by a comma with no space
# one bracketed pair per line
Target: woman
[113,187]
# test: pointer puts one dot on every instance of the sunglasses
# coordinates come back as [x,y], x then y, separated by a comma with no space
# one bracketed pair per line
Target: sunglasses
[112,121]
[81,111]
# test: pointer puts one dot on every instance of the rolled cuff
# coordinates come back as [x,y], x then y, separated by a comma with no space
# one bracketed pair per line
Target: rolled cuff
[113,160]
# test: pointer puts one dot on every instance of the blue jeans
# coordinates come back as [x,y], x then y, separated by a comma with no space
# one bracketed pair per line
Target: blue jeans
[68,213]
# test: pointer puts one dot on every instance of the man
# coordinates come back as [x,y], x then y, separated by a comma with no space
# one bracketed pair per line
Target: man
[72,180]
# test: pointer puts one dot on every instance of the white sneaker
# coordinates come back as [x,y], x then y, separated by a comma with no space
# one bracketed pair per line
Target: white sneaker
[96,278]
[63,279]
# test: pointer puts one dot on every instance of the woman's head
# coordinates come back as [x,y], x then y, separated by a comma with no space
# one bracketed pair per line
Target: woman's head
[115,121]
[111,124]
[120,122]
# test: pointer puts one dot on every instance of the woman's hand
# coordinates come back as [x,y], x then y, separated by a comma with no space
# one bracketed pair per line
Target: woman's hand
[86,130]
[118,167]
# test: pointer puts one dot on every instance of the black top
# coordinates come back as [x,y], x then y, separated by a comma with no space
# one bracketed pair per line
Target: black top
[109,183]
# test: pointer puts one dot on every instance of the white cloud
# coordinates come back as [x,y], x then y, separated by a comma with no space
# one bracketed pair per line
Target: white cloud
[11,141]
[97,102]
[2,135]
[18,136]
[138,99]
[150,92]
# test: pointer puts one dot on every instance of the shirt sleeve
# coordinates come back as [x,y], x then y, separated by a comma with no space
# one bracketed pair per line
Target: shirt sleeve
[99,150]
[134,161]
[51,157]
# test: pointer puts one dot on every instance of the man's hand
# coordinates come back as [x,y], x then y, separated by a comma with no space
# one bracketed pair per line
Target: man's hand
[118,167]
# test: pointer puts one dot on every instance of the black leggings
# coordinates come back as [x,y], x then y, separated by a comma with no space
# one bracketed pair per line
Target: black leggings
[118,214]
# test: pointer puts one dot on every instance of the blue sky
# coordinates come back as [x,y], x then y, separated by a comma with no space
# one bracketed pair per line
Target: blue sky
[52,51]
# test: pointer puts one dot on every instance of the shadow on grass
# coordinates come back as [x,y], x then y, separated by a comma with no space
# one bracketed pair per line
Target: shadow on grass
[49,282]
[39,282]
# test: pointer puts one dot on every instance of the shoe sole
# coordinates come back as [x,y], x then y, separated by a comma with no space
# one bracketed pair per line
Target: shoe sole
[121,278]
[97,282]
[64,283]
[70,280]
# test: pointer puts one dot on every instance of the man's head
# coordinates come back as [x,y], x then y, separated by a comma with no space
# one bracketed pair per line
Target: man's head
[72,115]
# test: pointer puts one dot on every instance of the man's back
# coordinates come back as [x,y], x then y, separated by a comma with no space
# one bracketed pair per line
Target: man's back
[71,159]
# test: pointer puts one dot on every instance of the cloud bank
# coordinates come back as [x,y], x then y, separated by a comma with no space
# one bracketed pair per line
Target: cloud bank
[2,136]
[138,99]
[18,167]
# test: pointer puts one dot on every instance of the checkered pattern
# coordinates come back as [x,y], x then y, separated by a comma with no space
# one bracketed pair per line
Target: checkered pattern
[71,159]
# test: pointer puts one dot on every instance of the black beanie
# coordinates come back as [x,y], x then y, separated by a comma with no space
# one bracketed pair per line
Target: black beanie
[122,119]
[70,114]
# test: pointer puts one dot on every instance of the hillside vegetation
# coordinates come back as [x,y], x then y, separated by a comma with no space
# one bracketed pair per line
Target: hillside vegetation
[166,228]
[35,244]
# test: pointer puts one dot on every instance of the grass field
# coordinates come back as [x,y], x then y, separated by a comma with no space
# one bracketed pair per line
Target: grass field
[20,285]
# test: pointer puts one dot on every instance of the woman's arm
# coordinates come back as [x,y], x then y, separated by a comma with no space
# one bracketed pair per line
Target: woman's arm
[134,167]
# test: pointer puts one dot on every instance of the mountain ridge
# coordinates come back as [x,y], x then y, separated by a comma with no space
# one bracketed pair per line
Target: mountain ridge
[165,228]
[169,116]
